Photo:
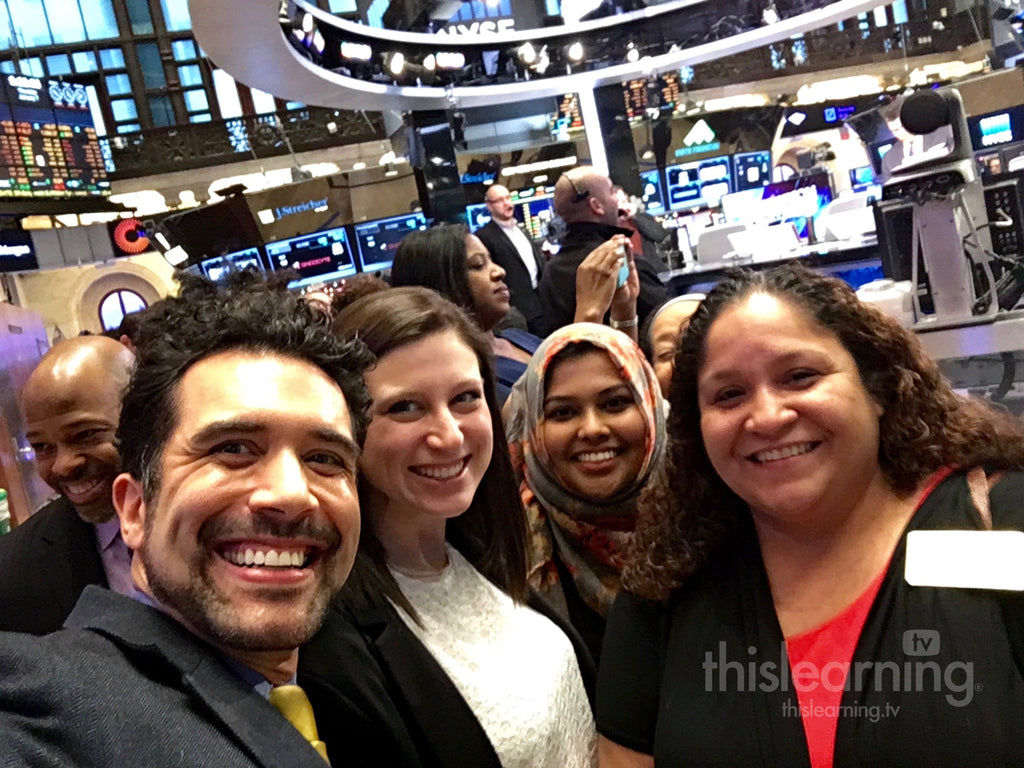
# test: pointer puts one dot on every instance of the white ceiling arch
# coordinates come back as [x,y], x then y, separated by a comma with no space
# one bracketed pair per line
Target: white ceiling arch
[244,38]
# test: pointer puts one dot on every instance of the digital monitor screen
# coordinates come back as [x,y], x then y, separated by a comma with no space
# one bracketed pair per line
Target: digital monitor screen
[17,254]
[796,199]
[535,214]
[862,176]
[533,209]
[700,184]
[654,200]
[791,196]
[378,240]
[219,266]
[318,258]
[996,128]
[752,169]
[477,215]
[48,144]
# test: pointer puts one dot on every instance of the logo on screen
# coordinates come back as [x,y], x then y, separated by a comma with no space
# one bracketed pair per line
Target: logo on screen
[701,133]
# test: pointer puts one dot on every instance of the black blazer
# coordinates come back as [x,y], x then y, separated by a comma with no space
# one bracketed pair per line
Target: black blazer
[126,685]
[45,563]
[517,276]
[381,699]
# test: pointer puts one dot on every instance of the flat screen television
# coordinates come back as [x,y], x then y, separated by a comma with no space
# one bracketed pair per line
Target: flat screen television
[654,199]
[751,169]
[698,184]
[219,266]
[48,143]
[378,240]
[318,258]
[535,213]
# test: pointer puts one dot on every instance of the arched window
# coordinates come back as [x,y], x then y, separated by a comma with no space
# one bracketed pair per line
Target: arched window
[116,304]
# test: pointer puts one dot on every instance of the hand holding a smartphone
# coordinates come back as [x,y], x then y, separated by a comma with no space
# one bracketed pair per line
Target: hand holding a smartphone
[606,281]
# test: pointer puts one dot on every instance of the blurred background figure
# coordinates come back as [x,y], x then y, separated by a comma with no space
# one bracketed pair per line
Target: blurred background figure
[456,264]
[586,431]
[661,333]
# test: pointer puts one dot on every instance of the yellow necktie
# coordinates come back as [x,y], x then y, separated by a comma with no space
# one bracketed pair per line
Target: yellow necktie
[291,702]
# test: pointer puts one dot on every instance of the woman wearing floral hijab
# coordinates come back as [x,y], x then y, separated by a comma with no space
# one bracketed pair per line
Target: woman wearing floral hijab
[586,430]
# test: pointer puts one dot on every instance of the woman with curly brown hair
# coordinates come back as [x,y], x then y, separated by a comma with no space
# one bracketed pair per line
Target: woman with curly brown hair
[767,620]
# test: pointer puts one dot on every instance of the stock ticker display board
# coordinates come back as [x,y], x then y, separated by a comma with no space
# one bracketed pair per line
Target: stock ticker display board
[48,145]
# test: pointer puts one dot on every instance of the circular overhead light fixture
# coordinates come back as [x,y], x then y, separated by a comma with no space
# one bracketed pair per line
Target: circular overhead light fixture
[430,62]
[396,63]
[575,51]
[527,53]
[632,54]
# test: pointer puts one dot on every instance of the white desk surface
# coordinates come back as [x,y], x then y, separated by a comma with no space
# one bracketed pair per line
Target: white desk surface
[1005,334]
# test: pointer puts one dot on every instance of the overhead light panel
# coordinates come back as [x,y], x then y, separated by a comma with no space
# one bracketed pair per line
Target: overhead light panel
[395,62]
[390,170]
[430,62]
[632,54]
[307,22]
[575,52]
[450,60]
[770,15]
[356,51]
[527,53]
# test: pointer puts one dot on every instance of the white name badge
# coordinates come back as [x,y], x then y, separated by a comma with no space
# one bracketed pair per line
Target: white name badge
[966,559]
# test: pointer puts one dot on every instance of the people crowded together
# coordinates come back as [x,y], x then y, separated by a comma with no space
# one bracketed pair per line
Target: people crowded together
[389,528]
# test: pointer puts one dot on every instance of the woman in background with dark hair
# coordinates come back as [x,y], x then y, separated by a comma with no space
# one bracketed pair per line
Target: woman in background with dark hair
[767,619]
[456,264]
[430,655]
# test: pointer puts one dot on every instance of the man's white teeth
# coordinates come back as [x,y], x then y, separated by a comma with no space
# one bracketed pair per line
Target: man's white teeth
[596,456]
[267,558]
[440,473]
[83,486]
[783,453]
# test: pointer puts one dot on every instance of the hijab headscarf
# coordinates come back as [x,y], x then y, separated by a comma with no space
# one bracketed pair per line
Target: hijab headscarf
[588,535]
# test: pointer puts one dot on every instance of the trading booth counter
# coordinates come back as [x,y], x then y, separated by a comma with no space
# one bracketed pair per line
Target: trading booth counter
[834,257]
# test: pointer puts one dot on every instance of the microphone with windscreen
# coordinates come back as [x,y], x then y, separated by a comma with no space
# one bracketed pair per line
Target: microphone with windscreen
[924,112]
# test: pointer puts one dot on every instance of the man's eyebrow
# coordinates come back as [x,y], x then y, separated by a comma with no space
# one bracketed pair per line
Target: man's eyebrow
[217,429]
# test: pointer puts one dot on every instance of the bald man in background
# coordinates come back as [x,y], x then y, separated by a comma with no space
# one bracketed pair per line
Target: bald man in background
[588,202]
[71,403]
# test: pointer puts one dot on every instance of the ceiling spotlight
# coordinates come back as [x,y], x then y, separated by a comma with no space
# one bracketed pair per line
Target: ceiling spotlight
[395,62]
[691,107]
[770,15]
[451,60]
[358,166]
[387,158]
[647,153]
[307,23]
[430,62]
[632,54]
[527,53]
[390,170]
[575,52]
[357,51]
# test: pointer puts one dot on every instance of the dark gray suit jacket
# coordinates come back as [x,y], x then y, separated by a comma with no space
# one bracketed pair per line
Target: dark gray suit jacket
[517,276]
[125,685]
[45,563]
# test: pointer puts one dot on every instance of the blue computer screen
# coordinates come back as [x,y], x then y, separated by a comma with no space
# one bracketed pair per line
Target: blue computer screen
[751,169]
[318,258]
[219,266]
[654,199]
[378,240]
[699,184]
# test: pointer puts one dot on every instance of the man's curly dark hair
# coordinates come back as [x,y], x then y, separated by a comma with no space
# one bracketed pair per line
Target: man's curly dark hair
[688,511]
[246,313]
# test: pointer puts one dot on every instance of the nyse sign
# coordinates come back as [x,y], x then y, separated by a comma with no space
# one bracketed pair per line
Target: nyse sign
[498,26]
